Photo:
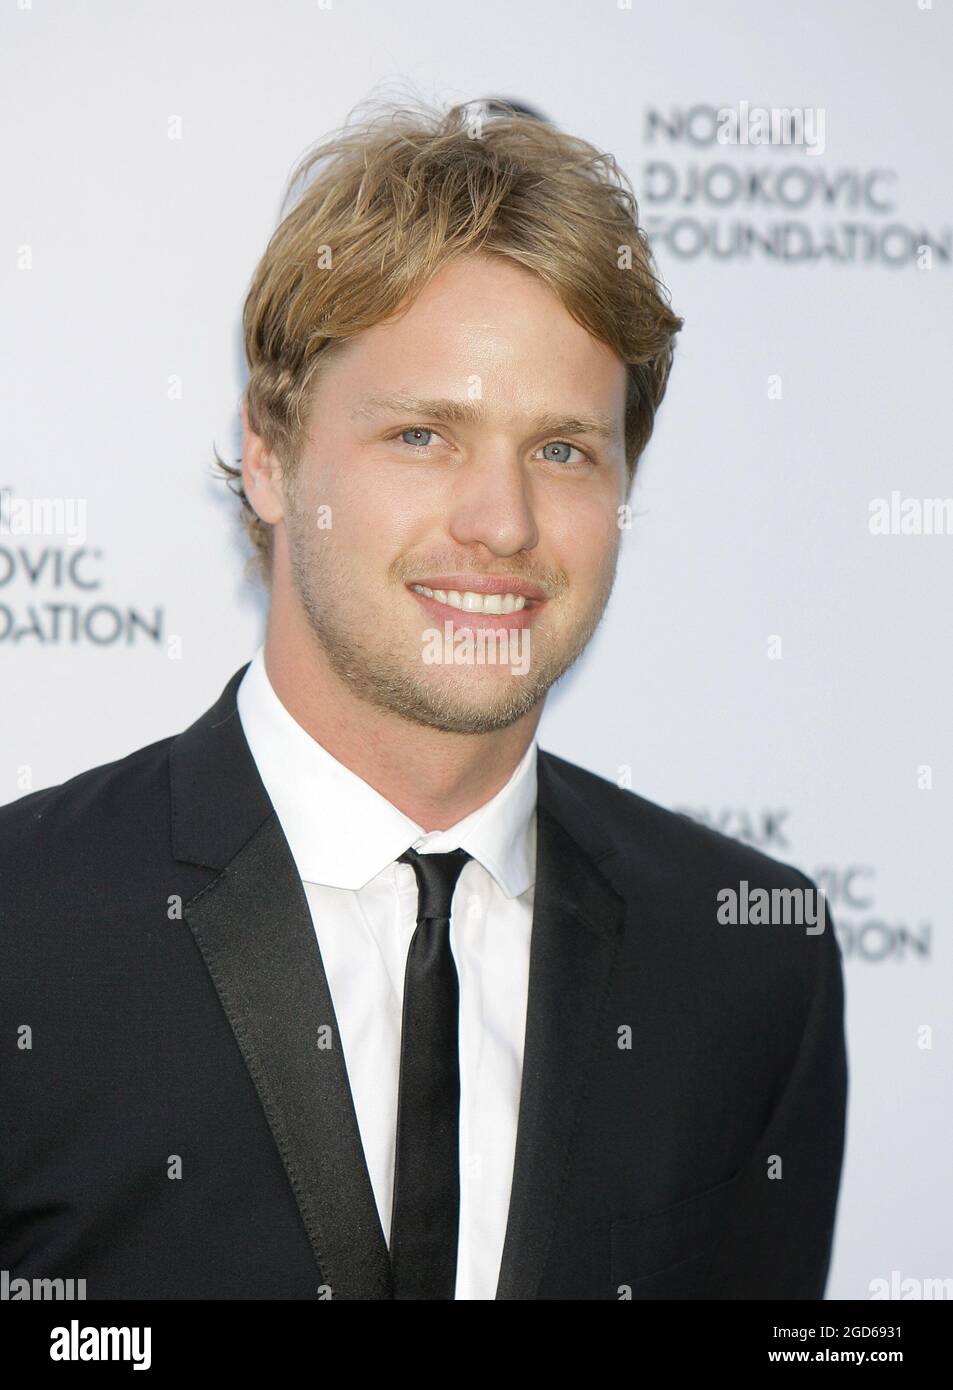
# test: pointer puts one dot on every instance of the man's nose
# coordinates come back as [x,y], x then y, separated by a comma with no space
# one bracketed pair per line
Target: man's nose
[491,503]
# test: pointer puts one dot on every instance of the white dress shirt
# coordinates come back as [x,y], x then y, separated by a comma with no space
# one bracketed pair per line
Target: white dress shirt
[344,837]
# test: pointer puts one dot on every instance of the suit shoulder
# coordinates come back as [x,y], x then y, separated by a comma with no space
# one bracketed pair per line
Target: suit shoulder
[668,836]
[70,816]
[676,871]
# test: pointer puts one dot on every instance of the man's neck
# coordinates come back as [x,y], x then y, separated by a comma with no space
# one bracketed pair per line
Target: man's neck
[434,777]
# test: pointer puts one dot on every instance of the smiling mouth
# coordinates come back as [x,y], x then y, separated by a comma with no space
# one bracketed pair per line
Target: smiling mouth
[470,602]
[467,608]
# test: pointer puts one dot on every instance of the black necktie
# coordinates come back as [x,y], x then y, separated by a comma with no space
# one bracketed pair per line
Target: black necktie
[426,1213]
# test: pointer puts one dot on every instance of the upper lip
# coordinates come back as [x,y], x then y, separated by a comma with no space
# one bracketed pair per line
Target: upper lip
[481,584]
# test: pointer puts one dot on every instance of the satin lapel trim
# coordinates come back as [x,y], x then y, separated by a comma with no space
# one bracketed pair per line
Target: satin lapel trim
[577,925]
[254,929]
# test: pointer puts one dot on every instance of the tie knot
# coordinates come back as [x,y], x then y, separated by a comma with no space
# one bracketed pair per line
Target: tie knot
[437,876]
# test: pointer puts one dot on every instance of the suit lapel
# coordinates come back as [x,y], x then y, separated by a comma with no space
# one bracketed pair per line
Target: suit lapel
[577,924]
[253,927]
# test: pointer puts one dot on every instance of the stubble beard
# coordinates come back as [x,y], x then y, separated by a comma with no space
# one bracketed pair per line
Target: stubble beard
[385,678]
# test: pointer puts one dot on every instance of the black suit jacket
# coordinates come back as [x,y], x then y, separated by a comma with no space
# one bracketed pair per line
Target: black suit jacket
[172,1126]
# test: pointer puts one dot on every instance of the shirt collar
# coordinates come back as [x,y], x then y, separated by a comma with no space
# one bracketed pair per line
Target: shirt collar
[342,832]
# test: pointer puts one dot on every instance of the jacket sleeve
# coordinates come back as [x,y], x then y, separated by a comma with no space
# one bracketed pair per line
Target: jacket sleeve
[779,1241]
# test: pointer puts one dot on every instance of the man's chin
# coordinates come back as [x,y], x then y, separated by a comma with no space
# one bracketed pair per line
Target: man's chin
[498,703]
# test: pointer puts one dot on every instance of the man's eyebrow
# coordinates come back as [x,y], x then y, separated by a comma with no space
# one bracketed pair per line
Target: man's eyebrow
[371,406]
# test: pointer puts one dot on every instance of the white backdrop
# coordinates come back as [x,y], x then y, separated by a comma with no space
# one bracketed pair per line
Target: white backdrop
[767,662]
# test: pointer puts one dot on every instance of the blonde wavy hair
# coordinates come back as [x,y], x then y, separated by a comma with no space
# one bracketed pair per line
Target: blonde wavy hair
[388,201]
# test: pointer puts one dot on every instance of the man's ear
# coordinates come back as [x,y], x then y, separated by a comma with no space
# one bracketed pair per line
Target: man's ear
[261,473]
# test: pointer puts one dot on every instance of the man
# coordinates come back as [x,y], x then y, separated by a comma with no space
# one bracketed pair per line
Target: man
[351,991]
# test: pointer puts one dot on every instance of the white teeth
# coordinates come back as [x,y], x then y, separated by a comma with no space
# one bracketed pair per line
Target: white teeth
[470,602]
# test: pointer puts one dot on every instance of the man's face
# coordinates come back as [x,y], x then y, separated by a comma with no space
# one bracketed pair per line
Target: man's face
[485,483]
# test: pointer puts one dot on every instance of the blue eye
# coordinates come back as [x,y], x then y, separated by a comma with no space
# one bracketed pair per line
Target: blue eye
[557,444]
[416,443]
